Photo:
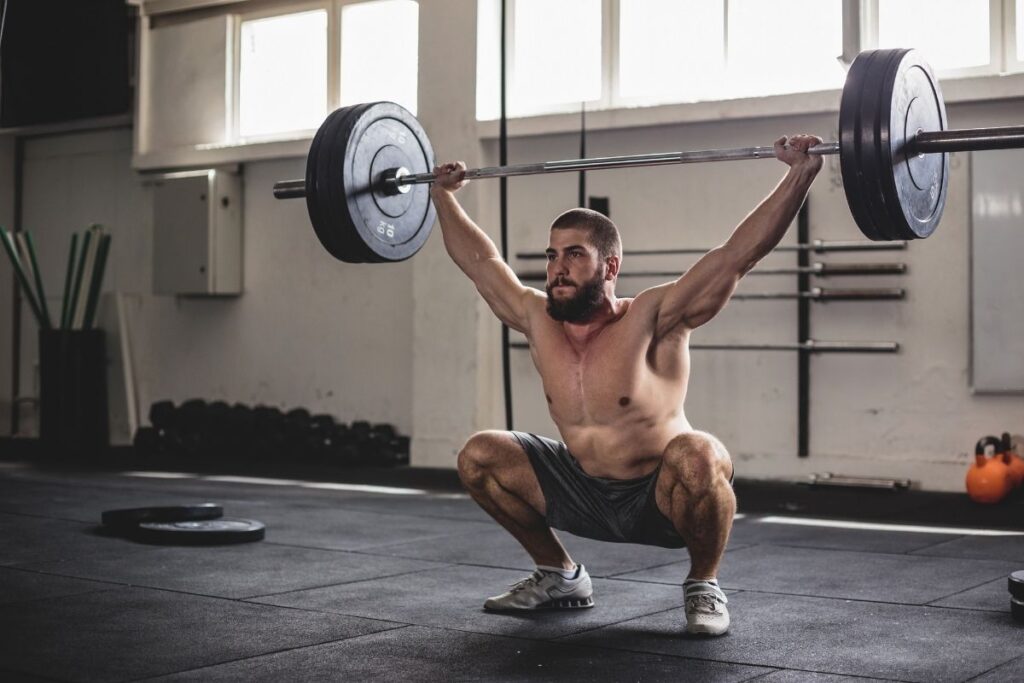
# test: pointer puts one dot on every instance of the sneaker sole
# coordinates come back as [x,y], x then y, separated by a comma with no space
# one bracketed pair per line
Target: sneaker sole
[565,603]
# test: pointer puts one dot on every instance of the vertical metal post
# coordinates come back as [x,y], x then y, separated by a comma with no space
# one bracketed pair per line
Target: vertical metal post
[19,177]
[583,153]
[803,334]
[506,367]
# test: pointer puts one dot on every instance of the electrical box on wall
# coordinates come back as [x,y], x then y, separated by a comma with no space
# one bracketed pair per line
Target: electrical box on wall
[197,233]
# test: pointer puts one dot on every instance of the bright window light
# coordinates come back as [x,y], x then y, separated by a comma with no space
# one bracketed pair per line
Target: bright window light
[488,59]
[670,50]
[282,74]
[900,24]
[1020,30]
[370,73]
[784,46]
[557,55]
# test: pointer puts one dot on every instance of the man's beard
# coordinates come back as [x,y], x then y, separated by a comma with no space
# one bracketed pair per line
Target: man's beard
[582,306]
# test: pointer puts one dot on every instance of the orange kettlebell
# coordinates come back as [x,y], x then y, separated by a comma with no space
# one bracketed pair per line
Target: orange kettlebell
[1013,459]
[988,479]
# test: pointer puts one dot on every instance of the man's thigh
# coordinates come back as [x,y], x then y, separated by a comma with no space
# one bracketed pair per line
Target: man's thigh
[509,465]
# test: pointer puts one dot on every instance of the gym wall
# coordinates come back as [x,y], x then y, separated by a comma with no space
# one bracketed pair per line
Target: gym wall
[412,344]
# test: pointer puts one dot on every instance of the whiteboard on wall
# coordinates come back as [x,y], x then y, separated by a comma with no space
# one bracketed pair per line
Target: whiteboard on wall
[997,271]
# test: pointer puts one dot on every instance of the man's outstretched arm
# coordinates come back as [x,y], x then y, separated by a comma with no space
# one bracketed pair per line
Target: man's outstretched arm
[474,252]
[704,289]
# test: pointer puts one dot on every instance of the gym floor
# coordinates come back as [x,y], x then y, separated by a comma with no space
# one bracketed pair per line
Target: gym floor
[363,583]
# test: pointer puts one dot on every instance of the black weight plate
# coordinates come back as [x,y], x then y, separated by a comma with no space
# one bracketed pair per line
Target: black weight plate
[874,153]
[917,186]
[130,517]
[392,228]
[1016,584]
[859,87]
[343,234]
[1017,610]
[209,532]
[318,178]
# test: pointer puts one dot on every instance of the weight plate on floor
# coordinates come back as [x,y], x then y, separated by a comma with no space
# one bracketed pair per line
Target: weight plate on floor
[128,518]
[209,532]
[1017,609]
[1016,584]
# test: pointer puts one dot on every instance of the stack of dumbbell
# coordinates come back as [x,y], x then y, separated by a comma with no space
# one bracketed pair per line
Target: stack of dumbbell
[217,432]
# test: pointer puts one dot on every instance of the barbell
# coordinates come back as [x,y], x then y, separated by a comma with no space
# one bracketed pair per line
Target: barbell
[369,165]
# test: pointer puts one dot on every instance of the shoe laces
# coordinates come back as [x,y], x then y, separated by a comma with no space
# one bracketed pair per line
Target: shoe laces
[528,582]
[704,603]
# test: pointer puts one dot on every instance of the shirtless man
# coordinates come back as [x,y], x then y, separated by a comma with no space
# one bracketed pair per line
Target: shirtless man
[631,468]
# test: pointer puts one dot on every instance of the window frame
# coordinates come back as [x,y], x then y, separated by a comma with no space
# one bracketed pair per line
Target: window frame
[234,68]
[234,65]
[860,32]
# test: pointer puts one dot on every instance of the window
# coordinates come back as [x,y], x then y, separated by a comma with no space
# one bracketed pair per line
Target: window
[656,33]
[1020,30]
[616,53]
[785,46]
[901,24]
[369,73]
[282,74]
[625,53]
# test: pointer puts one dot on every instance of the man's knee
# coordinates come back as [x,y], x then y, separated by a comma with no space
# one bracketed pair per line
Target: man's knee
[697,457]
[479,456]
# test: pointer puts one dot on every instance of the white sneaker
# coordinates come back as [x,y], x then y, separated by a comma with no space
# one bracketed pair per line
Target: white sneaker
[706,613]
[546,590]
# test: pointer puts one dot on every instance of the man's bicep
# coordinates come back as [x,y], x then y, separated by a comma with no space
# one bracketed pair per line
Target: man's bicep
[703,291]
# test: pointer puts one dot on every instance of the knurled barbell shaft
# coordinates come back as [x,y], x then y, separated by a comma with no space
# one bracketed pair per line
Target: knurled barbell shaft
[925,142]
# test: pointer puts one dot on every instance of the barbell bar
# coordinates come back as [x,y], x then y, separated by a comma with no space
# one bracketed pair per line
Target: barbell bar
[816,269]
[368,164]
[809,346]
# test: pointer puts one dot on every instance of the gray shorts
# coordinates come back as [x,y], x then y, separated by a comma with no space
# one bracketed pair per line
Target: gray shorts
[616,510]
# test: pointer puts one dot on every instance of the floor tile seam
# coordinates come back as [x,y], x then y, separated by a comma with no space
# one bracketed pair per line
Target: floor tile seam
[735,591]
[908,554]
[45,598]
[266,654]
[56,519]
[312,610]
[1009,661]
[857,600]
[40,676]
[727,661]
[345,583]
[965,590]
[616,623]
[452,564]
[363,549]
[559,640]
[827,673]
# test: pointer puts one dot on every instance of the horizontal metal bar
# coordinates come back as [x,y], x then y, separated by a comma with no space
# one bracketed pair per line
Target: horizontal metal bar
[821,294]
[925,142]
[818,270]
[817,246]
[290,189]
[627,161]
[847,481]
[810,346]
[968,139]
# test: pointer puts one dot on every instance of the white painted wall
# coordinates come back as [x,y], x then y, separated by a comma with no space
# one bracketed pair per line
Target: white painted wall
[412,344]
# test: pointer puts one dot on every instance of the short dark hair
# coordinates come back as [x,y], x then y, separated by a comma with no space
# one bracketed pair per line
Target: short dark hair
[602,232]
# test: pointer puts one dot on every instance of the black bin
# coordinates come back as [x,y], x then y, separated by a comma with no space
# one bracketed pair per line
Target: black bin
[73,415]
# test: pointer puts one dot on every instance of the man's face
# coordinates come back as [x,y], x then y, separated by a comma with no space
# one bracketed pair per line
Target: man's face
[575,276]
